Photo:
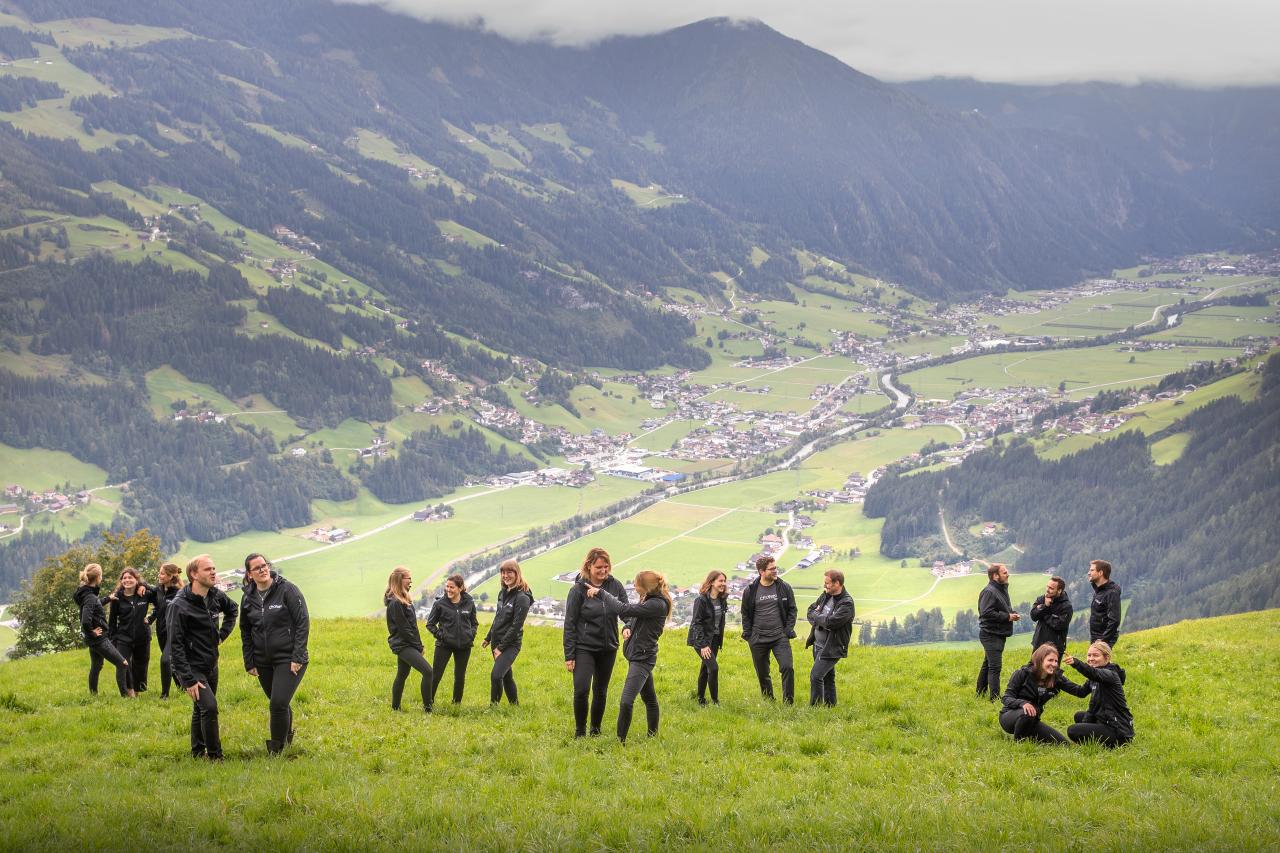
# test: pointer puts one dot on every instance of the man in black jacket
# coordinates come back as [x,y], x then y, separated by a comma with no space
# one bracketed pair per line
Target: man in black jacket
[1052,615]
[194,636]
[832,619]
[769,625]
[995,625]
[1104,610]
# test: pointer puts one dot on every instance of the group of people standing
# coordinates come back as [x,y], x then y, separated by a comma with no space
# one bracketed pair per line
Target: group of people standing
[194,619]
[1108,719]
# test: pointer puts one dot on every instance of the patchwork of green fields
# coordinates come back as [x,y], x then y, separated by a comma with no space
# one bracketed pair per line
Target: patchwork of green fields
[37,469]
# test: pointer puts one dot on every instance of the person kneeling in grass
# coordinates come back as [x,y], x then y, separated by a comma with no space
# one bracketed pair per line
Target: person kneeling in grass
[1108,719]
[649,617]
[1030,689]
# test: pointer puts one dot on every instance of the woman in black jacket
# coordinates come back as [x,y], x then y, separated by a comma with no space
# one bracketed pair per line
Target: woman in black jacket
[274,628]
[648,617]
[1108,719]
[706,632]
[127,625]
[1030,688]
[403,637]
[170,583]
[506,633]
[93,625]
[591,639]
[452,621]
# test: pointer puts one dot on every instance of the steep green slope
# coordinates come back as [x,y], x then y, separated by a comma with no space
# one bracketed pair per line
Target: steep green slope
[908,760]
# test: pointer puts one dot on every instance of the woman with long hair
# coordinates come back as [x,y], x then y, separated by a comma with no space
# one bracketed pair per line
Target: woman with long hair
[128,627]
[506,633]
[1030,689]
[452,621]
[93,626]
[1108,720]
[170,583]
[274,628]
[403,637]
[648,617]
[591,639]
[706,632]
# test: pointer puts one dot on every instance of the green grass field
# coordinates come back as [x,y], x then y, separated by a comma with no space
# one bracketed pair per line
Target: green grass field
[37,469]
[907,760]
[1224,323]
[1085,371]
[653,195]
[498,159]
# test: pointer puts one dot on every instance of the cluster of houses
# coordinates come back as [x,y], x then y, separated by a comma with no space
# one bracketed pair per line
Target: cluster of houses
[208,416]
[853,491]
[17,500]
[332,535]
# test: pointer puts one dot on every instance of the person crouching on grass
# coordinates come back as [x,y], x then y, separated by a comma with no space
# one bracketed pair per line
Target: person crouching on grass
[1108,719]
[649,617]
[1030,689]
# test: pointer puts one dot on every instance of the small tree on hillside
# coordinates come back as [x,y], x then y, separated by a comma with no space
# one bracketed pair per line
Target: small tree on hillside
[48,620]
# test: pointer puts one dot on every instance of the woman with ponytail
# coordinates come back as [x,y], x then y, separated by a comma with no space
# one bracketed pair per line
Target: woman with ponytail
[170,584]
[93,624]
[648,618]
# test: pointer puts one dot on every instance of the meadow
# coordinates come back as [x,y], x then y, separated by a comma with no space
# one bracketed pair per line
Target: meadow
[907,760]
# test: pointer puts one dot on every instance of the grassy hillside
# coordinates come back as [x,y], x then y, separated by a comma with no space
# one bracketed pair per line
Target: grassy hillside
[908,760]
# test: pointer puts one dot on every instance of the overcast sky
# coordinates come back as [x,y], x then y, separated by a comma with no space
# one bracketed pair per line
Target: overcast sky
[1195,42]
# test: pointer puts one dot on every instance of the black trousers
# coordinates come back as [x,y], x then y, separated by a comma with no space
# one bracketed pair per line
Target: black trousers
[280,683]
[639,683]
[1088,728]
[100,649]
[781,650]
[1022,726]
[709,674]
[140,662]
[501,680]
[124,676]
[822,680]
[204,718]
[166,672]
[407,659]
[440,660]
[992,660]
[591,673]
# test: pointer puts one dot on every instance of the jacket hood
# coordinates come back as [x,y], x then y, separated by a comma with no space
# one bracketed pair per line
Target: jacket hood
[1117,669]
[83,592]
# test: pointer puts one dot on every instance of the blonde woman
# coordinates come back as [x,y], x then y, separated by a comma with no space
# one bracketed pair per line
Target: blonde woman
[403,637]
[93,625]
[1108,720]
[506,633]
[648,618]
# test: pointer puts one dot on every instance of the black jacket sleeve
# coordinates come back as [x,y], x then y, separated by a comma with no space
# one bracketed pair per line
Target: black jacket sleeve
[178,650]
[841,616]
[748,611]
[572,608]
[789,615]
[301,620]
[1038,609]
[1012,698]
[1066,684]
[230,613]
[697,630]
[246,645]
[113,614]
[1055,616]
[433,619]
[519,610]
[1111,618]
[1102,676]
[651,608]
[815,608]
[86,617]
[990,608]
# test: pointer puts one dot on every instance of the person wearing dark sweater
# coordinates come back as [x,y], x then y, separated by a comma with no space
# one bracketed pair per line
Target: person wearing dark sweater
[1108,719]
[128,625]
[274,629]
[404,639]
[194,636]
[1052,615]
[995,625]
[1104,609]
[170,583]
[93,627]
[1030,689]
[648,618]
[706,632]
[591,639]
[506,633]
[769,626]
[832,619]
[452,621]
